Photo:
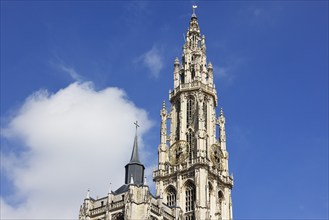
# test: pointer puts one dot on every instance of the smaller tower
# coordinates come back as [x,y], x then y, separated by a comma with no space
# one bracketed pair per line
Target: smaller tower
[135,169]
[133,200]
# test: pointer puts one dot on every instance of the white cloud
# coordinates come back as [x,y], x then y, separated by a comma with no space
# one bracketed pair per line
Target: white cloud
[230,69]
[255,15]
[153,60]
[75,139]
[71,71]
[59,64]
[224,73]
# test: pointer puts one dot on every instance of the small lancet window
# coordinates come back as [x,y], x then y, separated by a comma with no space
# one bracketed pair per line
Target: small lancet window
[220,196]
[210,192]
[193,73]
[190,110]
[171,196]
[182,77]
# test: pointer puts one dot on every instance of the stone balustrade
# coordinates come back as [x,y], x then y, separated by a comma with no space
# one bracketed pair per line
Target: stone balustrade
[117,205]
[195,85]
[98,210]
[198,161]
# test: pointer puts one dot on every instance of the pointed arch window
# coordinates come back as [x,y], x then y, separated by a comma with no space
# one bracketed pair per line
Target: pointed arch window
[220,198]
[118,216]
[182,77]
[212,197]
[210,188]
[220,195]
[192,73]
[171,196]
[189,197]
[190,110]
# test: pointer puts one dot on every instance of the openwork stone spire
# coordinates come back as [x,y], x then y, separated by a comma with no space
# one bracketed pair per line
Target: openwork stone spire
[193,163]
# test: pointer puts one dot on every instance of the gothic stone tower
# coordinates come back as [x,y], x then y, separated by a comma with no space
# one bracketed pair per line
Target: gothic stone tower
[192,172]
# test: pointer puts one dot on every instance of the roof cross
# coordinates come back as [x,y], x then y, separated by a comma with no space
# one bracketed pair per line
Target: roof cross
[137,125]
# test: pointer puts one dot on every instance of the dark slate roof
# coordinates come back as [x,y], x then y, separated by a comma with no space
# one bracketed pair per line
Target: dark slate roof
[122,189]
[134,155]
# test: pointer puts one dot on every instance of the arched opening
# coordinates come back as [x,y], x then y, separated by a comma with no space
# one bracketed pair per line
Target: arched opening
[192,73]
[191,143]
[220,195]
[189,200]
[212,200]
[118,216]
[182,77]
[167,165]
[210,190]
[190,110]
[171,196]
[220,199]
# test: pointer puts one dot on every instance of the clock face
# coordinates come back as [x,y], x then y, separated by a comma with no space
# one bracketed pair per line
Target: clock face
[216,155]
[178,152]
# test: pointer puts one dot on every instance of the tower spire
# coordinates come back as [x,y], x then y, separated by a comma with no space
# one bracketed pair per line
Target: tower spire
[135,169]
[134,154]
[192,137]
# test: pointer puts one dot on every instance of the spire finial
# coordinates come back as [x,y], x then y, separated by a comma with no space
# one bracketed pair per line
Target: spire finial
[134,154]
[193,9]
[88,194]
[221,111]
[164,105]
[137,126]
[110,190]
[176,61]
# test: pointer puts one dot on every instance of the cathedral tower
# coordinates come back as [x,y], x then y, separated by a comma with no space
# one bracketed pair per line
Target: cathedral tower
[192,179]
[192,172]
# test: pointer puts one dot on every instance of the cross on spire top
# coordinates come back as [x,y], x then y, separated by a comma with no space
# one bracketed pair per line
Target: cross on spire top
[137,125]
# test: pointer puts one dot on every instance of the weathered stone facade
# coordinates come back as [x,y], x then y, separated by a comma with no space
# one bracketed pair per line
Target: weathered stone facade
[192,179]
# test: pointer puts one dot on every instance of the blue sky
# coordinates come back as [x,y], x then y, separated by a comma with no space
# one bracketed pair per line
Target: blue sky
[270,61]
